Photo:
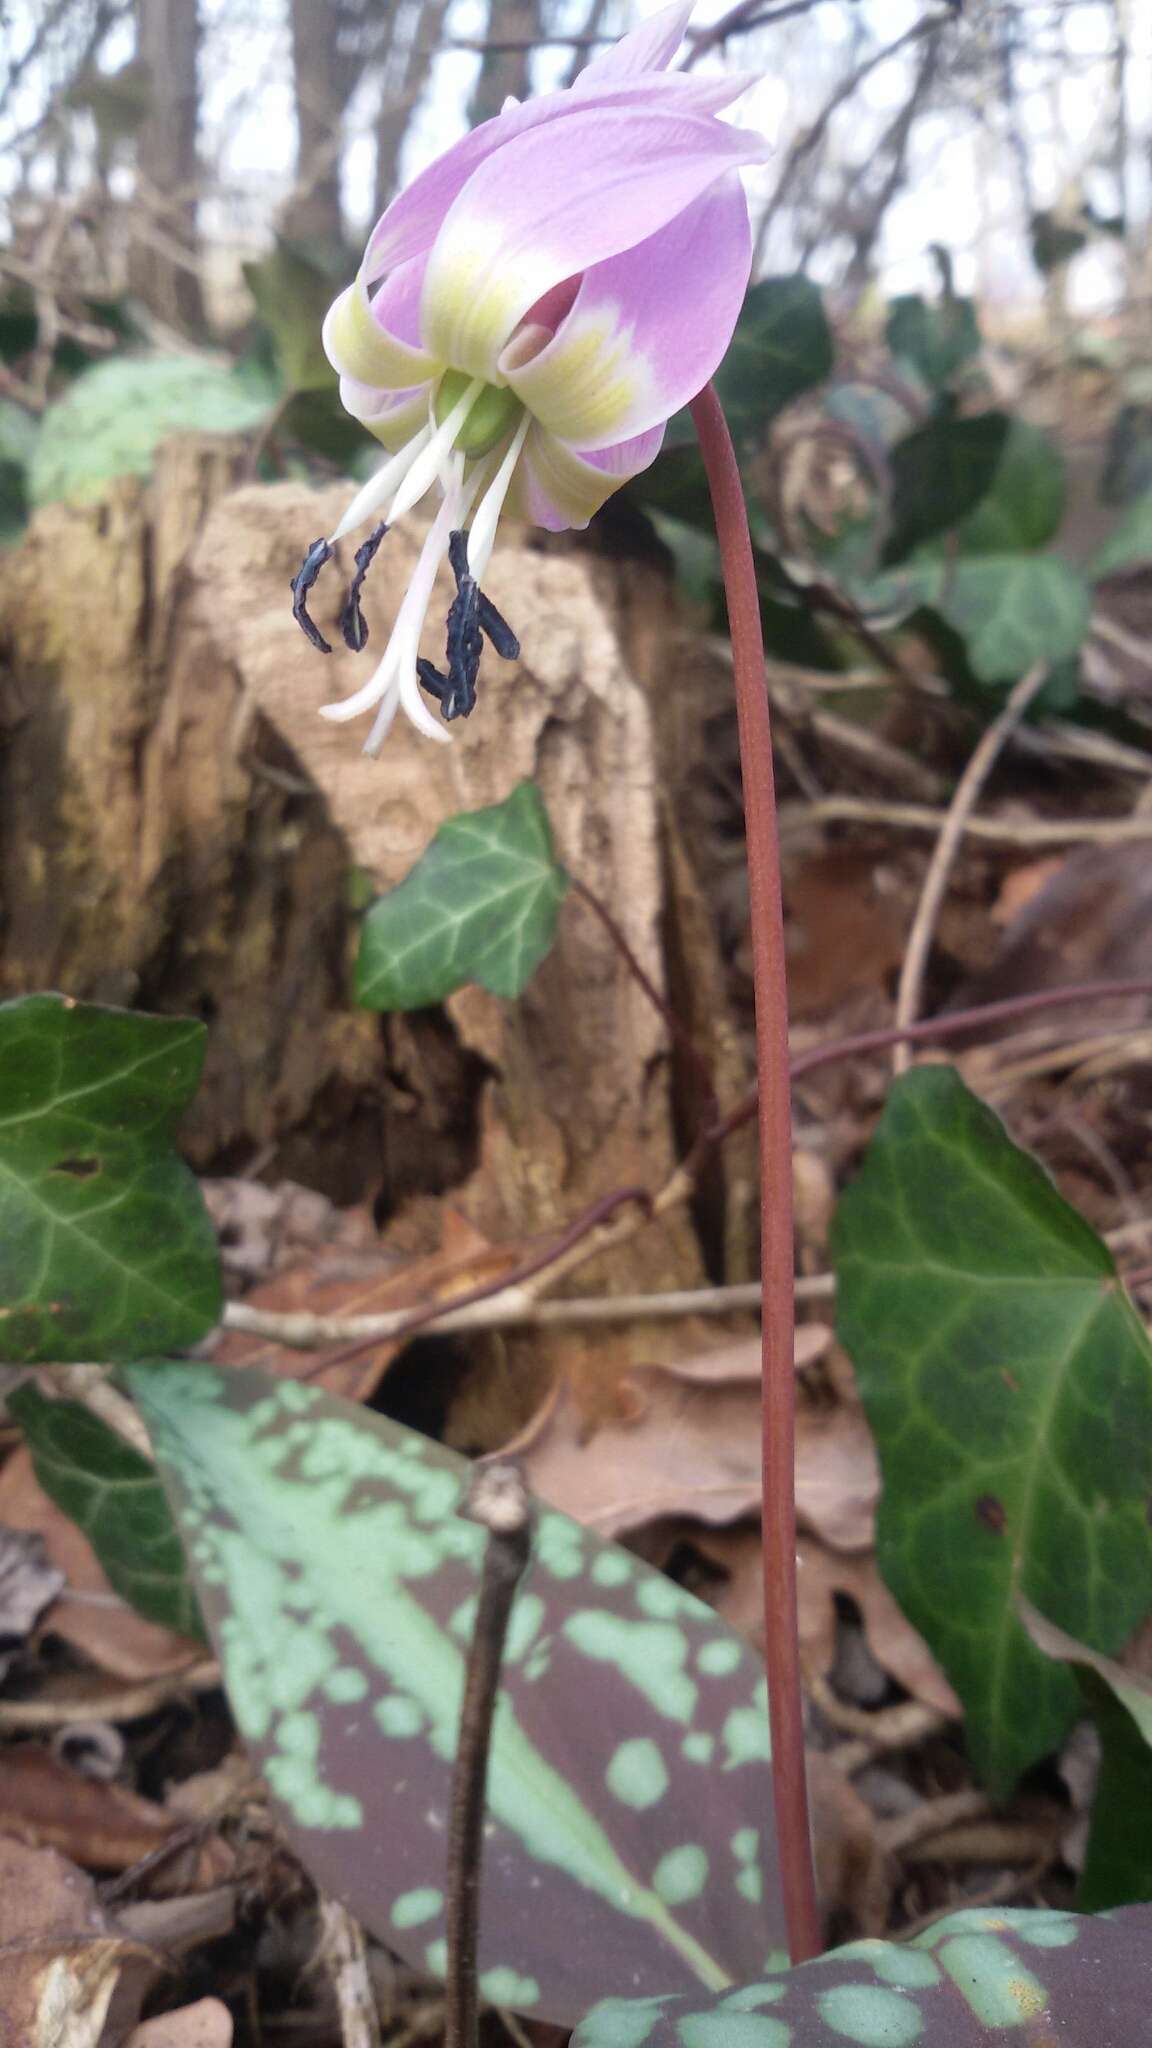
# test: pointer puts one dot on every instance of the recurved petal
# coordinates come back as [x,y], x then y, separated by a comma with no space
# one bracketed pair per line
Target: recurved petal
[651,47]
[409,226]
[392,416]
[377,341]
[557,488]
[554,202]
[646,329]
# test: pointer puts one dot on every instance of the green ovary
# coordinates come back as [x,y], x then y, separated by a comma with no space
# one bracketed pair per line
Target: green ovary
[494,411]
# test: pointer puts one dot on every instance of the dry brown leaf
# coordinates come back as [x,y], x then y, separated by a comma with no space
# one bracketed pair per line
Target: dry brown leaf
[372,1285]
[844,937]
[29,1582]
[99,1825]
[821,1573]
[1021,884]
[207,2024]
[41,1892]
[89,1615]
[65,1973]
[853,1880]
[688,1443]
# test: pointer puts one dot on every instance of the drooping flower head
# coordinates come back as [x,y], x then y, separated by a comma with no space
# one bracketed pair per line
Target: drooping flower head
[529,314]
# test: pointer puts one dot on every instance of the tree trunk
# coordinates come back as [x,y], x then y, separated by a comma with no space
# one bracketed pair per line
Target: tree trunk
[324,73]
[505,68]
[163,264]
[178,830]
[404,81]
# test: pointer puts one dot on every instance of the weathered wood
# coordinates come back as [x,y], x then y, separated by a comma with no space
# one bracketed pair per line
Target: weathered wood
[179,829]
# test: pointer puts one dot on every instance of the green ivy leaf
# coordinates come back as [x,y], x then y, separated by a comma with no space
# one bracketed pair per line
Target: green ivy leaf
[1009,610]
[115,1497]
[1118,1863]
[630,1844]
[479,905]
[1024,503]
[106,1249]
[782,347]
[939,475]
[936,339]
[1008,1383]
[115,416]
[1130,542]
[974,1978]
[292,296]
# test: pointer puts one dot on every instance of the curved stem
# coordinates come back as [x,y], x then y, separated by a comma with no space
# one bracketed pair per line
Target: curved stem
[775,1119]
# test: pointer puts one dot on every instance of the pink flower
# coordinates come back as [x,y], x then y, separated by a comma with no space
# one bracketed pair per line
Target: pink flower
[529,314]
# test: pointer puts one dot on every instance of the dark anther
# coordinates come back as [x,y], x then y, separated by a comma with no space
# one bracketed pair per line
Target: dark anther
[353,624]
[472,618]
[302,582]
[498,630]
[455,695]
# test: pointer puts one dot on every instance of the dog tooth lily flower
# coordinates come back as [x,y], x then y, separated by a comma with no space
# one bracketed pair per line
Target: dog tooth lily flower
[529,314]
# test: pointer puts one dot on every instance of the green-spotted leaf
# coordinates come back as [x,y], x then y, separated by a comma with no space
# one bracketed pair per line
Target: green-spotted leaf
[1118,1862]
[115,1497]
[631,1844]
[106,1249]
[1009,610]
[479,905]
[115,416]
[1008,1383]
[1042,1979]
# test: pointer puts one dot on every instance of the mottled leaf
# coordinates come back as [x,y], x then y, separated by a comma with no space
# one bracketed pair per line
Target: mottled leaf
[115,416]
[106,1249]
[936,339]
[1009,610]
[113,1494]
[1041,1978]
[1118,1862]
[631,1845]
[1008,1383]
[479,905]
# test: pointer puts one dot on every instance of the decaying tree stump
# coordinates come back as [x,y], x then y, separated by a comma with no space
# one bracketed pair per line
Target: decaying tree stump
[180,831]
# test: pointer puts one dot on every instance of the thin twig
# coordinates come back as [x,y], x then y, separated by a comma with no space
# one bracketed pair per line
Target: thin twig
[512,1299]
[132,1703]
[510,1309]
[498,1499]
[740,21]
[677,1030]
[805,143]
[778,1397]
[343,1953]
[834,810]
[964,800]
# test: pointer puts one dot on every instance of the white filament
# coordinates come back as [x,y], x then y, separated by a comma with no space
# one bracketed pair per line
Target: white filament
[482,532]
[430,462]
[380,487]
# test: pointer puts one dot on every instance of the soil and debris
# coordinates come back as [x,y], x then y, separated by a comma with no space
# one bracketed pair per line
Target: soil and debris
[136,1848]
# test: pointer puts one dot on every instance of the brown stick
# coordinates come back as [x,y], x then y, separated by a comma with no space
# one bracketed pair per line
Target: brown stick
[498,1499]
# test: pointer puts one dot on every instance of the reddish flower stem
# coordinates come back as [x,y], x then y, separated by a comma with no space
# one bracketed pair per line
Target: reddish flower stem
[775,1124]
